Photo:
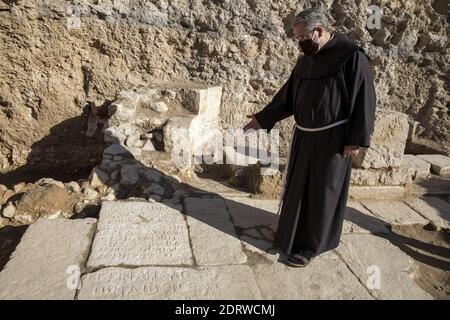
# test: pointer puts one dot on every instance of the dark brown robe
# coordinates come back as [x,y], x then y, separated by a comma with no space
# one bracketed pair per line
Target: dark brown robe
[335,84]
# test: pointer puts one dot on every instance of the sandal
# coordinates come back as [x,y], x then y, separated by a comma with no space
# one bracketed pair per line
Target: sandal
[298,260]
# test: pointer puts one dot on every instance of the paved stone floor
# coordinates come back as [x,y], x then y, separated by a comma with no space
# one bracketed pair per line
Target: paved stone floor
[213,248]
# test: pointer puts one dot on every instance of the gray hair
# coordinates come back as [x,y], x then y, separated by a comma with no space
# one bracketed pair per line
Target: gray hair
[311,18]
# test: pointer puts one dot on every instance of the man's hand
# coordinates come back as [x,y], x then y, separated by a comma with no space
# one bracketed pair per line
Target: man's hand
[253,124]
[351,151]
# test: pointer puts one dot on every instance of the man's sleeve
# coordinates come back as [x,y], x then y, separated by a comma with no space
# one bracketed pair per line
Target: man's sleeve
[279,108]
[362,100]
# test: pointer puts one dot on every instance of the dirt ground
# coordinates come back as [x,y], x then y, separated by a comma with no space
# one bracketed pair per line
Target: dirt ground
[431,251]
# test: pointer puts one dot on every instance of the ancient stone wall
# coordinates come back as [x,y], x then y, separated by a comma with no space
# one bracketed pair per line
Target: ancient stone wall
[50,73]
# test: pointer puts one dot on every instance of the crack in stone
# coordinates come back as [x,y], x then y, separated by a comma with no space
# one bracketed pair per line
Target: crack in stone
[388,225]
[418,212]
[252,257]
[353,273]
[184,212]
[85,267]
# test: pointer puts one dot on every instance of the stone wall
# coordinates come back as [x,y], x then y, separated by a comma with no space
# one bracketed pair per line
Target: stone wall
[49,73]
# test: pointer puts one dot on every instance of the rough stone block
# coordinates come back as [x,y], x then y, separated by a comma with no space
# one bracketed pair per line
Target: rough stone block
[396,176]
[421,167]
[388,141]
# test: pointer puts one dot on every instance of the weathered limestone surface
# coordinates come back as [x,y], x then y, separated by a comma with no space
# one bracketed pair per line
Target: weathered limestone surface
[51,202]
[200,124]
[421,167]
[51,255]
[397,176]
[213,236]
[387,142]
[434,186]
[394,212]
[327,277]
[439,164]
[379,192]
[248,212]
[369,256]
[211,187]
[212,282]
[140,234]
[434,209]
[360,220]
[176,132]
[258,221]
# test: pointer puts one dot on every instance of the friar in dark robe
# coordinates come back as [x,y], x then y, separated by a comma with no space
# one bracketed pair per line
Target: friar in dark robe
[331,94]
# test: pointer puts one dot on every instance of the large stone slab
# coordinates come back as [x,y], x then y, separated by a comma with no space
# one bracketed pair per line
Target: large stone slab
[440,164]
[213,236]
[212,282]
[421,167]
[327,277]
[394,212]
[434,209]
[140,234]
[48,260]
[382,267]
[388,141]
[360,220]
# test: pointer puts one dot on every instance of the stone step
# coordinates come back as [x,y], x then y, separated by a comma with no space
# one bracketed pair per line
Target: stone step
[48,260]
[440,164]
[394,213]
[420,167]
[377,192]
[433,208]
[214,188]
[435,185]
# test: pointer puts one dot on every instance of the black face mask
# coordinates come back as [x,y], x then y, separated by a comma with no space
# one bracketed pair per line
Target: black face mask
[308,47]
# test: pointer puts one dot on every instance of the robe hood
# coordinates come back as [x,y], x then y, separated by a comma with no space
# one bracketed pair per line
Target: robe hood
[328,60]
